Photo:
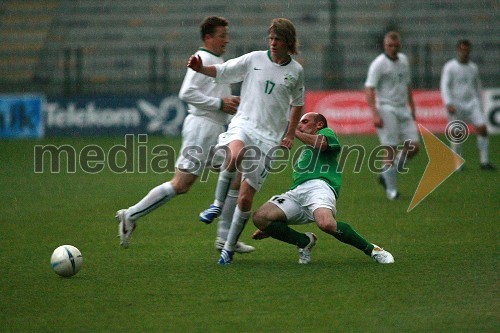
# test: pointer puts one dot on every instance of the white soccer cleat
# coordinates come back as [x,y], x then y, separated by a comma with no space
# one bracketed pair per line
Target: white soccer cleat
[239,248]
[381,256]
[125,227]
[305,253]
[392,194]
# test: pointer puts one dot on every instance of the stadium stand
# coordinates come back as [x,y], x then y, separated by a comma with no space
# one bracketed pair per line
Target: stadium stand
[129,47]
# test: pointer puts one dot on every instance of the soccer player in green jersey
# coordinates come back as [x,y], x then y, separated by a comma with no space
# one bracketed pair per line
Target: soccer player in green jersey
[312,196]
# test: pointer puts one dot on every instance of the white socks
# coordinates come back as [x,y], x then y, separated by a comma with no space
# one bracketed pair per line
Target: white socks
[482,145]
[238,224]
[457,148]
[391,181]
[227,214]
[223,183]
[154,199]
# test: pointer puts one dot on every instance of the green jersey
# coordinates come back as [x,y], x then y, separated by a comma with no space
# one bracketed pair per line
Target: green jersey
[314,164]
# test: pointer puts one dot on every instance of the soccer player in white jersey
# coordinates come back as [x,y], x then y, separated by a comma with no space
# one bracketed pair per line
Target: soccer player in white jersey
[272,96]
[461,93]
[210,106]
[389,93]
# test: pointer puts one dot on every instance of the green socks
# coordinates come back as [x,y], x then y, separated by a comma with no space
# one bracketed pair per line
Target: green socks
[346,234]
[281,231]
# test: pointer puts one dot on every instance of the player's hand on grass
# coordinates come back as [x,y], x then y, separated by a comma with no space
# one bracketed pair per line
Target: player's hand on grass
[258,234]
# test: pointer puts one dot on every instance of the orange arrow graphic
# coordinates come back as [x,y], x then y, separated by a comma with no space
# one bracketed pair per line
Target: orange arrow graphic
[442,163]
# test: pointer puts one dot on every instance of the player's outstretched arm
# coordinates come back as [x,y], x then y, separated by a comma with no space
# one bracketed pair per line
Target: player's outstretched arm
[196,64]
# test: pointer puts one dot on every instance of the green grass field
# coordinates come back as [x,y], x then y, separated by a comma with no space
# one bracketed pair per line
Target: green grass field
[445,279]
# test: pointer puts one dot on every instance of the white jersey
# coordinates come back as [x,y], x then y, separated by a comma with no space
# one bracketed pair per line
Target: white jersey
[390,78]
[460,85]
[202,94]
[267,92]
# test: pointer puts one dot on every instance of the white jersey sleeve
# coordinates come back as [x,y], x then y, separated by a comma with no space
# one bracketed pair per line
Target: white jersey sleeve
[460,84]
[390,78]
[233,70]
[374,72]
[445,83]
[202,93]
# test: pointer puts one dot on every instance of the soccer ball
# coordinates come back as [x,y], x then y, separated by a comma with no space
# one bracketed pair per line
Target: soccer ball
[66,260]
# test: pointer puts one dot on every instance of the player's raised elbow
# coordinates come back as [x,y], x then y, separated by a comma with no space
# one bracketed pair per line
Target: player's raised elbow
[321,143]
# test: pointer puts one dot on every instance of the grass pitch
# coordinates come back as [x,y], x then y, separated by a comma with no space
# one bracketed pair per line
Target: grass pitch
[445,277]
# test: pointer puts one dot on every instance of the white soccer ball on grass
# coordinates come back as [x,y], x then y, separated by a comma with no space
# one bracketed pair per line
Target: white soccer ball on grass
[66,260]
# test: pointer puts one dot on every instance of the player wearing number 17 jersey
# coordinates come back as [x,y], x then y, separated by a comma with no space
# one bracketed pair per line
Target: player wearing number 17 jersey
[272,96]
[267,92]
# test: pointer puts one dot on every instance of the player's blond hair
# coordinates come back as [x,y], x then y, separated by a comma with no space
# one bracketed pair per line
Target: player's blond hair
[285,29]
[392,35]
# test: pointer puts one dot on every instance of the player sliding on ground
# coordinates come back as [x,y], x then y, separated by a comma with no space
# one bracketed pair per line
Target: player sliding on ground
[312,196]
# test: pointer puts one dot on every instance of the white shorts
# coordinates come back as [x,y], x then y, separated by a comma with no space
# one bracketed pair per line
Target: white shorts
[399,125]
[300,203]
[256,163]
[199,137]
[473,115]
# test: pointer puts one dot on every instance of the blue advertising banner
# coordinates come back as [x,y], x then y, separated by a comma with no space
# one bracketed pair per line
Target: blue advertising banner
[112,115]
[21,116]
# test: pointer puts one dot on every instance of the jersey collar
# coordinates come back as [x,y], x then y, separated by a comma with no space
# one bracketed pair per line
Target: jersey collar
[283,64]
[397,58]
[204,49]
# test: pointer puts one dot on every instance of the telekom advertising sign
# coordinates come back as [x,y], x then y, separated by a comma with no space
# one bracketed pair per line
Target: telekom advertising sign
[348,113]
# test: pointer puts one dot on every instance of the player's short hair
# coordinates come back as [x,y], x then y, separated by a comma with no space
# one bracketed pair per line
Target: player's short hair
[464,42]
[392,35]
[285,29]
[210,24]
[319,117]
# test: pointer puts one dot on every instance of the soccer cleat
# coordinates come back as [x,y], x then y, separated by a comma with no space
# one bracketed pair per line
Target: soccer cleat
[226,257]
[239,248]
[210,214]
[381,256]
[487,166]
[125,227]
[305,253]
[392,195]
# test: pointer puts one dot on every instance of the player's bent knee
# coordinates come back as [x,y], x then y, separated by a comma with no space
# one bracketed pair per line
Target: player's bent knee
[260,219]
[328,227]
[245,202]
